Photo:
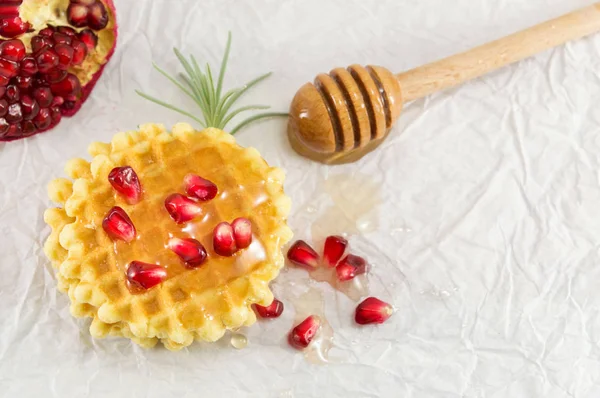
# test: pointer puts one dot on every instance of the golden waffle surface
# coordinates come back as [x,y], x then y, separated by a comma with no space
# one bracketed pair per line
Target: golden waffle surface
[191,304]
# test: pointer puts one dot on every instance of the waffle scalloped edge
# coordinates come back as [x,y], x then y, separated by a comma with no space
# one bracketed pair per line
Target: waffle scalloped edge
[165,313]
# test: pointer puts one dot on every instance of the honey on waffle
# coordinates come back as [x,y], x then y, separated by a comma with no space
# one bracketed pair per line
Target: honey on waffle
[199,303]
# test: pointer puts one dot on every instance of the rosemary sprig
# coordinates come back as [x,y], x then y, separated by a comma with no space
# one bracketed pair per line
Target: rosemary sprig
[215,107]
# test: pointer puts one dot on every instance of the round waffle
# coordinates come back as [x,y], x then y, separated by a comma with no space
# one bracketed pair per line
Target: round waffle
[199,303]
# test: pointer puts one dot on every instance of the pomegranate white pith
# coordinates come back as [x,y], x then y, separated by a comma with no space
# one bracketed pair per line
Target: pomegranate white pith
[48,62]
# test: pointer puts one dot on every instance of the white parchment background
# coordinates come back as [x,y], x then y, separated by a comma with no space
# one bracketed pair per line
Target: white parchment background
[483,231]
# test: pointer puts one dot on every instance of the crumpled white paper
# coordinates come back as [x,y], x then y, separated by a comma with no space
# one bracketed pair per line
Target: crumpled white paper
[479,212]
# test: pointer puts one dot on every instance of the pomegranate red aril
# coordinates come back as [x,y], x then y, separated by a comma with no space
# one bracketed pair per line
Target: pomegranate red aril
[56,75]
[67,31]
[28,128]
[224,240]
[57,101]
[301,254]
[3,107]
[43,96]
[4,81]
[4,126]
[61,38]
[12,27]
[199,188]
[89,38]
[79,52]
[42,120]
[13,94]
[8,11]
[189,250]
[97,16]
[24,82]
[242,232]
[302,335]
[48,32]
[12,50]
[126,182]
[181,208]
[69,87]
[14,130]
[65,55]
[273,310]
[28,67]
[8,68]
[55,116]
[145,275]
[372,310]
[77,15]
[118,225]
[334,249]
[38,43]
[84,2]
[350,266]
[46,60]
[14,114]
[30,107]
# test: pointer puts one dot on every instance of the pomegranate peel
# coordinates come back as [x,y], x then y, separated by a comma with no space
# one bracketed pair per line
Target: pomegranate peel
[45,49]
[372,310]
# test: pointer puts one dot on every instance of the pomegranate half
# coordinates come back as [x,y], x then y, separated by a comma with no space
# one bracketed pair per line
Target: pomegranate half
[52,52]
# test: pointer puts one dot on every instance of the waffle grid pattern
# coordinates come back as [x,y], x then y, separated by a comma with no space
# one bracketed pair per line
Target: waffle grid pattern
[197,304]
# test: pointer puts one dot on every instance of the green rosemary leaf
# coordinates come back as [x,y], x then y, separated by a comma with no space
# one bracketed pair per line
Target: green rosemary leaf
[199,85]
[224,65]
[242,90]
[240,110]
[169,106]
[256,118]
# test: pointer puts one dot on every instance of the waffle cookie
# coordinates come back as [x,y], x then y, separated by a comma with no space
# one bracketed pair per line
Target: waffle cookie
[190,303]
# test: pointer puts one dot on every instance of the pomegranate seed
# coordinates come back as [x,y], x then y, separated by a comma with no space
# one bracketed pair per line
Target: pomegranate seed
[14,114]
[30,107]
[48,32]
[4,126]
[301,336]
[61,38]
[126,182]
[144,275]
[79,52]
[55,116]
[89,38]
[46,60]
[14,130]
[84,2]
[8,11]
[335,246]
[43,96]
[372,310]
[3,107]
[38,43]
[69,88]
[67,31]
[97,17]
[272,310]
[224,240]
[12,94]
[303,255]
[199,188]
[77,15]
[42,120]
[65,55]
[8,68]
[118,225]
[242,231]
[28,128]
[24,82]
[56,75]
[28,67]
[189,250]
[181,208]
[12,50]
[57,101]
[350,266]
[12,27]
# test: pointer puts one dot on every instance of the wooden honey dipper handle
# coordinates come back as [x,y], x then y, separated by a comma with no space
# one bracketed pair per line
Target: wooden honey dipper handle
[449,72]
[347,113]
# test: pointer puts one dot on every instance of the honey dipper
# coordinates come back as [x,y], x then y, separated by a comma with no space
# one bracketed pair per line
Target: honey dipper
[347,113]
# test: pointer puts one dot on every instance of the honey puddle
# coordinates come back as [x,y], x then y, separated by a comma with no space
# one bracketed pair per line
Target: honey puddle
[238,341]
[354,289]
